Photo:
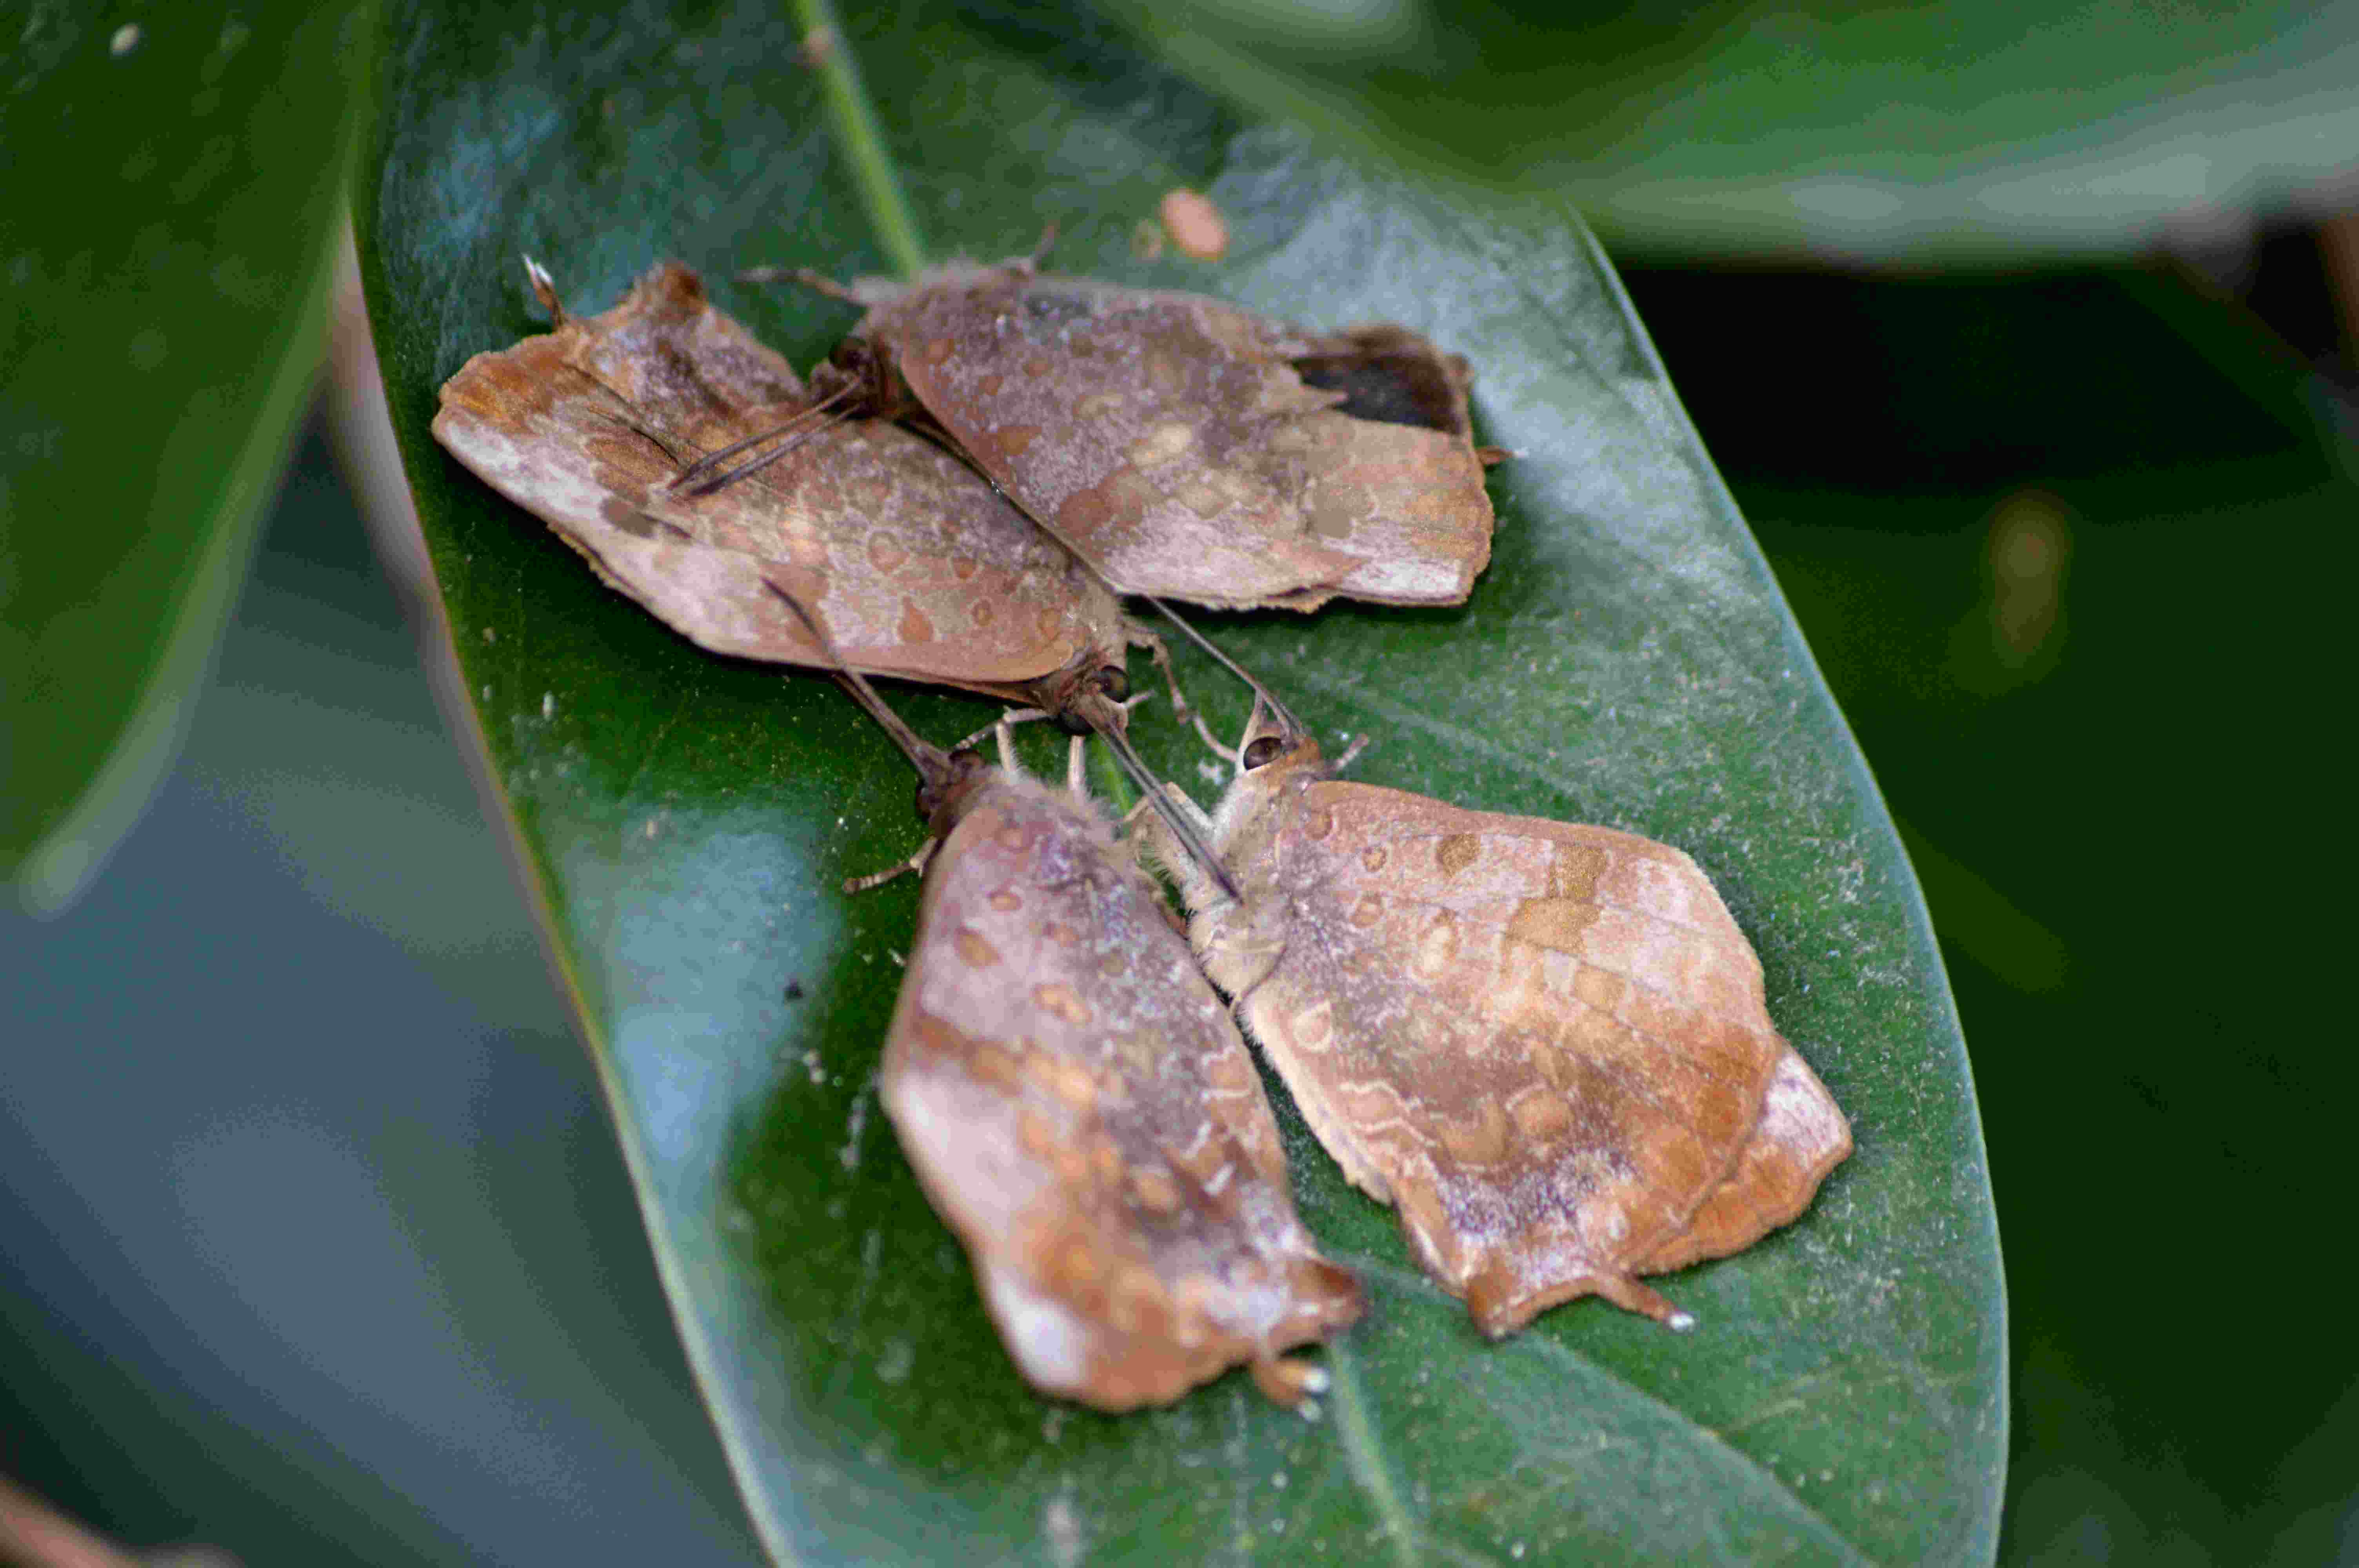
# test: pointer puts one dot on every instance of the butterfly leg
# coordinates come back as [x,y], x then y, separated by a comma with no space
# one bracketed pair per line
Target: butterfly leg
[1004,733]
[1146,822]
[1140,637]
[1013,715]
[1142,822]
[916,862]
[1178,798]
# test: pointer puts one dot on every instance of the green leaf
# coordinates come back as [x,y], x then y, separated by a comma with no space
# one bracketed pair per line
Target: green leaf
[1940,130]
[171,192]
[687,821]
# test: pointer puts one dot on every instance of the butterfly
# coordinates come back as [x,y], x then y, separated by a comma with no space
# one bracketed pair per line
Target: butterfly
[1190,448]
[1080,1110]
[1546,1044]
[605,427]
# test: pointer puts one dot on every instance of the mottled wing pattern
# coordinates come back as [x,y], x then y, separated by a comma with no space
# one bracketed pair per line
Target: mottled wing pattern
[1170,437]
[1801,1136]
[1397,462]
[1545,1042]
[916,566]
[1085,1116]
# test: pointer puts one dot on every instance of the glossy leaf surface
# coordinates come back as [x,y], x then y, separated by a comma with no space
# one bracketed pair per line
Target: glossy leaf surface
[167,204]
[1627,660]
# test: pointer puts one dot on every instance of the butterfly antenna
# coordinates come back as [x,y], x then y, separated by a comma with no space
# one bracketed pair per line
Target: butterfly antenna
[697,476]
[1285,714]
[931,761]
[1190,840]
[1185,831]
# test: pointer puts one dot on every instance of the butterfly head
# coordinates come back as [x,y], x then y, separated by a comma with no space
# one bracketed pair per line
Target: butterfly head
[1275,743]
[1086,700]
[863,381]
[944,781]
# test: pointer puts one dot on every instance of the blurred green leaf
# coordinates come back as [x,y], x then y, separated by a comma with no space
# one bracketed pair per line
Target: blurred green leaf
[687,821]
[1936,131]
[167,204]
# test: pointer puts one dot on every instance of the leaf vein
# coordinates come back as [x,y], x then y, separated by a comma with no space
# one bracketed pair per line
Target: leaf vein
[1359,1440]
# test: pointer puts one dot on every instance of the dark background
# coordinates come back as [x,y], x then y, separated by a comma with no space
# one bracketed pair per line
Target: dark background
[2069,546]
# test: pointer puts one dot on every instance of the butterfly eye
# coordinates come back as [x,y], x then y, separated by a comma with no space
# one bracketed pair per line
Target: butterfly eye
[1263,751]
[1111,683]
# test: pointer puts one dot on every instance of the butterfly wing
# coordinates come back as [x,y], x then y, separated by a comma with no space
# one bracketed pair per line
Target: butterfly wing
[1084,1115]
[1801,1136]
[917,568]
[1545,1042]
[1173,440]
[1393,478]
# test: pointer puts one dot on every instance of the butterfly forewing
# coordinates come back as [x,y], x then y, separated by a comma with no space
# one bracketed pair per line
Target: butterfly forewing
[915,565]
[1083,1113]
[1173,440]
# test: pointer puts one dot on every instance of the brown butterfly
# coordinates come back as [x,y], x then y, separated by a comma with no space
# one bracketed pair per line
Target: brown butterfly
[600,427]
[1190,449]
[1081,1111]
[1546,1045]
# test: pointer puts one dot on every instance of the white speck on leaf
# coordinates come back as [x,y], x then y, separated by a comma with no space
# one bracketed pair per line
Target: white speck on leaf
[894,1362]
[1062,1527]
